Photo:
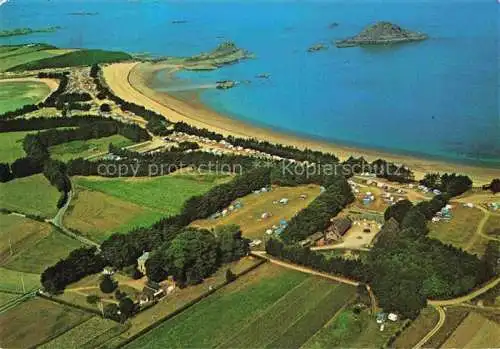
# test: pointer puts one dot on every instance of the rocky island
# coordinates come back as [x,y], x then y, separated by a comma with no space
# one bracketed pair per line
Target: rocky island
[317,47]
[382,33]
[226,53]
[225,84]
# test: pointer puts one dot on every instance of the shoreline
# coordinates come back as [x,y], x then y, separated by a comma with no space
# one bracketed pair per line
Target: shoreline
[131,83]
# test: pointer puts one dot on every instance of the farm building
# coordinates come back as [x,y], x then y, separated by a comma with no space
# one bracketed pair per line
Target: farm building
[312,239]
[338,228]
[141,262]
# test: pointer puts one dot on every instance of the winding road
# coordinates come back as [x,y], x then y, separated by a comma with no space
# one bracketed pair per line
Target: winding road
[440,323]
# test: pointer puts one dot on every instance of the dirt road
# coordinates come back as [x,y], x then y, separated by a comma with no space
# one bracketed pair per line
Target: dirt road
[442,318]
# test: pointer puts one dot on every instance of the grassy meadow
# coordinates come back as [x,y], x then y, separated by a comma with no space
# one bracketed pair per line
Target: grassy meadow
[14,95]
[12,56]
[166,193]
[82,149]
[83,335]
[11,145]
[423,324]
[17,233]
[492,226]
[269,306]
[454,317]
[35,321]
[33,195]
[72,59]
[12,281]
[460,229]
[44,253]
[249,217]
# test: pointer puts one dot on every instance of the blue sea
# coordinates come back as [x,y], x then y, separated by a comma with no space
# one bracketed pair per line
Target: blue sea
[438,98]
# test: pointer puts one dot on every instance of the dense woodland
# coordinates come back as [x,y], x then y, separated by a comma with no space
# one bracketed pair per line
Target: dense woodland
[195,254]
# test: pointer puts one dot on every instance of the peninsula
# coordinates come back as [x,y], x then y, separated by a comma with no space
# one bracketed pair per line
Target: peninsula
[26,31]
[381,33]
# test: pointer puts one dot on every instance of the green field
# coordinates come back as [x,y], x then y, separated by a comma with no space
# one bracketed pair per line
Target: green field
[249,217]
[423,324]
[18,233]
[81,335]
[454,317]
[166,194]
[475,331]
[82,149]
[14,95]
[350,330]
[270,306]
[44,253]
[492,226]
[72,59]
[12,281]
[33,195]
[11,56]
[35,321]
[460,229]
[11,146]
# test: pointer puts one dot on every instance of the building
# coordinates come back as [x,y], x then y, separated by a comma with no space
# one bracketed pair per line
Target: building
[338,228]
[141,262]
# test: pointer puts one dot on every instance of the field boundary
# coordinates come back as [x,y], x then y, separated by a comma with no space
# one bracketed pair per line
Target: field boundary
[71,305]
[188,305]
[51,338]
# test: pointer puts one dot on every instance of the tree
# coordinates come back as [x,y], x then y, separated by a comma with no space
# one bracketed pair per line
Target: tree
[127,307]
[93,299]
[230,276]
[495,185]
[491,259]
[414,220]
[111,311]
[156,266]
[107,284]
[105,108]
[192,256]
[398,211]
[232,246]
[5,173]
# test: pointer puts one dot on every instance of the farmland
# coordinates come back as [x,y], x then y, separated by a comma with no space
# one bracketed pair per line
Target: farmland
[454,317]
[492,226]
[33,195]
[166,194]
[417,330]
[102,206]
[249,216]
[13,281]
[460,229]
[97,215]
[12,56]
[72,59]
[475,331]
[11,145]
[35,321]
[16,233]
[44,253]
[350,330]
[82,149]
[264,307]
[81,335]
[14,95]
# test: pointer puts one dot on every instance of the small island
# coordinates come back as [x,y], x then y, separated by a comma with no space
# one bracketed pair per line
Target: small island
[333,25]
[179,21]
[317,47]
[382,33]
[83,13]
[225,53]
[26,31]
[225,84]
[263,76]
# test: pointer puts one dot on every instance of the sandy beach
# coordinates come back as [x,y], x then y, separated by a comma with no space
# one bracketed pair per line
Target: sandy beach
[129,81]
